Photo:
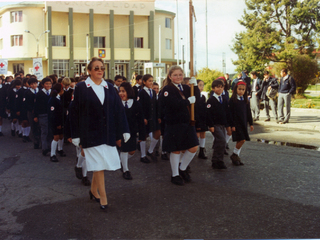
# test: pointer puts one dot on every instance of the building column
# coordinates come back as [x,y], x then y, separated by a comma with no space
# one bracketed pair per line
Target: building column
[111,65]
[49,21]
[151,35]
[71,55]
[131,44]
[91,31]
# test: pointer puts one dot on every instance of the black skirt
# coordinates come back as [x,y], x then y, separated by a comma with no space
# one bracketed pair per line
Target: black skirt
[240,134]
[129,146]
[179,137]
[56,131]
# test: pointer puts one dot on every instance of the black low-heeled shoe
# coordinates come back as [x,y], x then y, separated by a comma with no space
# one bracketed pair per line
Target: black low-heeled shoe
[93,197]
[104,207]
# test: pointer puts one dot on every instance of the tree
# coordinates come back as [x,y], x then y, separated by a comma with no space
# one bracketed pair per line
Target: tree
[276,31]
[208,76]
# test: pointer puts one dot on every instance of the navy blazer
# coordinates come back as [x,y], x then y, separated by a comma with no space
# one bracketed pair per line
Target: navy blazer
[95,123]
[55,112]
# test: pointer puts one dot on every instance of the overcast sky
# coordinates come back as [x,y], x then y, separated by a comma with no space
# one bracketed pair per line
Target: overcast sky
[223,24]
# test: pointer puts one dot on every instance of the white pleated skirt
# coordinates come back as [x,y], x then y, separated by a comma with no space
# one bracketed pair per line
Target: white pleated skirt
[102,157]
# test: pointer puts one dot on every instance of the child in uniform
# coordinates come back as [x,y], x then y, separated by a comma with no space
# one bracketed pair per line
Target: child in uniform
[28,104]
[23,117]
[201,127]
[41,113]
[218,118]
[11,106]
[3,97]
[56,121]
[137,87]
[148,101]
[241,116]
[135,119]
[180,136]
[117,82]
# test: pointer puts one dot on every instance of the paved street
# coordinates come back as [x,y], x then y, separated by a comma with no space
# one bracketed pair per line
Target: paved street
[274,195]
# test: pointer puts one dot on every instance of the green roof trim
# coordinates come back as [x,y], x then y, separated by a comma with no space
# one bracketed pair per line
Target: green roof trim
[165,12]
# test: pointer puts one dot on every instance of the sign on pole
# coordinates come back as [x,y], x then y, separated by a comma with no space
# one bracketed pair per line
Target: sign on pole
[3,66]
[37,68]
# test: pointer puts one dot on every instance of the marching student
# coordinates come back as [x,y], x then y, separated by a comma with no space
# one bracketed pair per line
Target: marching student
[11,106]
[28,104]
[148,101]
[241,116]
[56,121]
[201,126]
[41,114]
[117,82]
[180,137]
[218,119]
[135,120]
[3,101]
[254,96]
[99,127]
[22,111]
[137,87]
[155,87]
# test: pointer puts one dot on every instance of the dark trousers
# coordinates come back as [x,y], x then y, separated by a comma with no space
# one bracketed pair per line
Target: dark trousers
[219,143]
[35,128]
[45,135]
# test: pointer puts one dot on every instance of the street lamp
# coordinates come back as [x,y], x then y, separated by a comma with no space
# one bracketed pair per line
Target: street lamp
[37,39]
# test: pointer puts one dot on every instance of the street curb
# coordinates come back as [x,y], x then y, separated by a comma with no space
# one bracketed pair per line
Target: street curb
[289,126]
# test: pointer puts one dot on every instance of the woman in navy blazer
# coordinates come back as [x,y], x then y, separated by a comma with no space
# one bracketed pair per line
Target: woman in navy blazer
[98,126]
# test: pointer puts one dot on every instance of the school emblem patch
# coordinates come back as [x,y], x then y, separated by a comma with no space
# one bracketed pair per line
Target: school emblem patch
[88,85]
[209,106]
[16,95]
[166,94]
[52,108]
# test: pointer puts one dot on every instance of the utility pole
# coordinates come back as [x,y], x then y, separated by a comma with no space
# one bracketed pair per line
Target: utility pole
[206,34]
[191,36]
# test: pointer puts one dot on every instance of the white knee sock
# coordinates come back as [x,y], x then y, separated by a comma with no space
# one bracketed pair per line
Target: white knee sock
[202,142]
[152,145]
[236,151]
[181,156]
[12,126]
[20,129]
[186,159]
[174,161]
[124,161]
[54,145]
[130,156]
[16,126]
[228,138]
[161,140]
[78,151]
[143,149]
[60,144]
[150,135]
[84,167]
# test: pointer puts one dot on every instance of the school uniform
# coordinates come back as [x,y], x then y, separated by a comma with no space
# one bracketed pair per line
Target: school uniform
[41,112]
[136,89]
[148,101]
[135,120]
[218,117]
[55,115]
[28,104]
[287,87]
[241,116]
[20,104]
[179,134]
[100,121]
[200,114]
[11,105]
[3,101]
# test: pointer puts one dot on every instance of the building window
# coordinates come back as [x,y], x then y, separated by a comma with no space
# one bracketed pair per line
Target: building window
[138,42]
[16,40]
[99,42]
[58,41]
[168,22]
[61,67]
[16,16]
[17,67]
[168,44]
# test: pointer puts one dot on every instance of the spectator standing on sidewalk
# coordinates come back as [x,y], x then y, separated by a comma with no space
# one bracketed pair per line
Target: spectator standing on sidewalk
[286,89]
[268,83]
[255,100]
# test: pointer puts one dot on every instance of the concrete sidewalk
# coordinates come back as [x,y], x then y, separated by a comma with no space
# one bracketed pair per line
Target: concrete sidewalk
[301,118]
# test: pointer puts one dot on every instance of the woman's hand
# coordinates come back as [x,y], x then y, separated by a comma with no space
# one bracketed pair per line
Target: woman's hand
[118,143]
[251,128]
[159,120]
[145,122]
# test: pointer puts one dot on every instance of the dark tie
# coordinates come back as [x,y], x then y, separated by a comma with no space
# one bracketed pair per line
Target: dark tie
[220,99]
[47,93]
[126,104]
[241,98]
[150,93]
[180,88]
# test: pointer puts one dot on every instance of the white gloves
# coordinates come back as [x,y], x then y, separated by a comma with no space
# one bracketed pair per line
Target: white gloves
[126,137]
[192,99]
[76,141]
[193,81]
